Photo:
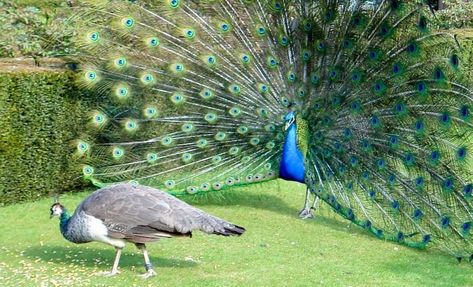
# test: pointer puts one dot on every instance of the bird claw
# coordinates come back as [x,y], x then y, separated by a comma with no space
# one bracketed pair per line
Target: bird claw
[306,214]
[108,273]
[148,274]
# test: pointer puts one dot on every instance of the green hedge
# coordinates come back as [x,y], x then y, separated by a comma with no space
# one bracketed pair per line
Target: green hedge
[467,57]
[41,113]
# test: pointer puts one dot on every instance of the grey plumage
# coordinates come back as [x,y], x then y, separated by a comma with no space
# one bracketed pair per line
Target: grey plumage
[132,211]
[138,214]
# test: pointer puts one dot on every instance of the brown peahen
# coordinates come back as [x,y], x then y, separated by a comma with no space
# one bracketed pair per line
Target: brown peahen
[135,213]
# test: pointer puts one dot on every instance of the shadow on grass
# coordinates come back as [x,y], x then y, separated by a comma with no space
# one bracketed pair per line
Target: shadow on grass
[340,224]
[424,257]
[103,258]
[433,266]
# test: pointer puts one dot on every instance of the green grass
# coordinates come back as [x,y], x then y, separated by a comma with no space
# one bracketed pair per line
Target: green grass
[278,249]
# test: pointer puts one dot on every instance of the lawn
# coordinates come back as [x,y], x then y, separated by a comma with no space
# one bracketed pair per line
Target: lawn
[278,249]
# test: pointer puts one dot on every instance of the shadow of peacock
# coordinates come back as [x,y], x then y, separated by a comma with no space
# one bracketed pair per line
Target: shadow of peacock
[135,213]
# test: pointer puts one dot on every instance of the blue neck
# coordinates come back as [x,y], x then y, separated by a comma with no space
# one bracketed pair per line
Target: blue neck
[64,222]
[292,161]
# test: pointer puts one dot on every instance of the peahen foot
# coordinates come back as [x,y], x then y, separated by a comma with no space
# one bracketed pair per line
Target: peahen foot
[306,213]
[149,267]
[114,271]
[148,274]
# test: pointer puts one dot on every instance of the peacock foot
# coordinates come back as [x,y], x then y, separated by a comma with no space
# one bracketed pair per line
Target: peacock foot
[108,273]
[306,213]
[148,274]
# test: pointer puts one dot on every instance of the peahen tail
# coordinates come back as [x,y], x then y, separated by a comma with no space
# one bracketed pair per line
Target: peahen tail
[194,95]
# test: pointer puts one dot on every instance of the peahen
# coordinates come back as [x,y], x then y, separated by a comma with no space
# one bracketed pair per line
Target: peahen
[126,212]
[363,103]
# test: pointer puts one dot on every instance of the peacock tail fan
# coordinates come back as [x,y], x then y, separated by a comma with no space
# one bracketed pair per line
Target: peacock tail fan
[390,125]
[194,94]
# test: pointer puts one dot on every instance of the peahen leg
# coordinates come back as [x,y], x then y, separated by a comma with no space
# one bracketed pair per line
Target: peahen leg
[306,212]
[149,267]
[114,271]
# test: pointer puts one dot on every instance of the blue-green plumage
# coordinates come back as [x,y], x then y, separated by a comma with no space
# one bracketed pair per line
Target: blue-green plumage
[64,221]
[383,128]
[292,160]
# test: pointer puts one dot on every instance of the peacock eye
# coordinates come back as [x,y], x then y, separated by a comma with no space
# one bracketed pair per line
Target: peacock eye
[128,22]
[174,3]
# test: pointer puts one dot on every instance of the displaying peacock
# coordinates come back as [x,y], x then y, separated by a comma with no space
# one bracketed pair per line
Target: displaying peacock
[134,213]
[364,103]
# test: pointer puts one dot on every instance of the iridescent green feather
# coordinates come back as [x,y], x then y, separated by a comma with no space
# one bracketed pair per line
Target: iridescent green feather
[302,133]
[194,92]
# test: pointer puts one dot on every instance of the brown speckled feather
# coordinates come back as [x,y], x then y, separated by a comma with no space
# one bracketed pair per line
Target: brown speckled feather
[141,214]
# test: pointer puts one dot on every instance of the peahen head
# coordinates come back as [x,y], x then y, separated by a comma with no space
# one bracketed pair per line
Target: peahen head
[289,119]
[60,211]
[57,209]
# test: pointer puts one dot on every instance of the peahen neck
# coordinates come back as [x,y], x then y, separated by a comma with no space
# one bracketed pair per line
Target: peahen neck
[292,161]
[64,223]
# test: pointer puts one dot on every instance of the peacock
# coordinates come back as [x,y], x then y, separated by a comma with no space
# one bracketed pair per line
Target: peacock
[363,102]
[126,212]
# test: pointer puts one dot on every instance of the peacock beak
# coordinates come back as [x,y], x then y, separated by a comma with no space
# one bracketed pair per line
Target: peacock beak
[288,124]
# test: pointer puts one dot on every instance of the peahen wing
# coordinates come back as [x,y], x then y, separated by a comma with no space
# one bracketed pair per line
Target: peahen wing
[193,92]
[136,210]
[390,133]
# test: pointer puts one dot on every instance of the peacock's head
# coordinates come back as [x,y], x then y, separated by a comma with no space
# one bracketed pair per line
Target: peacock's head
[56,209]
[289,120]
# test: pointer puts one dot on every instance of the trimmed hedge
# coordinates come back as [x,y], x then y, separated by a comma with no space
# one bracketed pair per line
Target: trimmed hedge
[467,57]
[41,113]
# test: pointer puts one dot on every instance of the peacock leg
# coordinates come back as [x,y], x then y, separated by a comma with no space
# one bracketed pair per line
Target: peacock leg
[114,271]
[315,204]
[149,267]
[306,212]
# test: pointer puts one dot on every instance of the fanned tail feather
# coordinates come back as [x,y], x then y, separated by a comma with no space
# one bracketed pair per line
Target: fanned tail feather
[195,92]
[392,142]
[194,95]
